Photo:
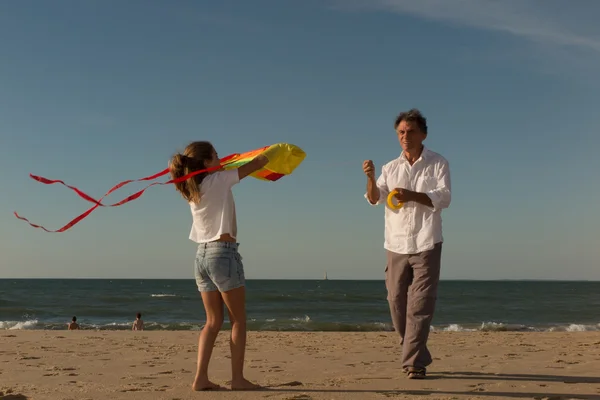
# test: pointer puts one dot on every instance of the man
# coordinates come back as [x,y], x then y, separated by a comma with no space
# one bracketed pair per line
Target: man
[413,235]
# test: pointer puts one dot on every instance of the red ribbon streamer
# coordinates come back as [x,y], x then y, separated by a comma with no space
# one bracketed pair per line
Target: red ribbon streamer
[98,203]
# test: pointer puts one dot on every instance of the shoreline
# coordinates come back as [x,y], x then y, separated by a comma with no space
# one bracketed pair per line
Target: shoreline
[309,326]
[90,364]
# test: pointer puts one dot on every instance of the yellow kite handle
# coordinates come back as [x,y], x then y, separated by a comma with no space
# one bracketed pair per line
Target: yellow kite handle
[390,201]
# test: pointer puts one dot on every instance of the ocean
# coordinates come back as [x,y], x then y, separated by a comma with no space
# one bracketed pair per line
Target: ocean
[297,305]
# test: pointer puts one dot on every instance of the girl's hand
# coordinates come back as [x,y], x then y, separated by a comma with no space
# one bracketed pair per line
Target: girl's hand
[257,163]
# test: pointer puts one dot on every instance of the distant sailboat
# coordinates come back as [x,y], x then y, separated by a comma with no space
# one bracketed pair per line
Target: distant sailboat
[325,275]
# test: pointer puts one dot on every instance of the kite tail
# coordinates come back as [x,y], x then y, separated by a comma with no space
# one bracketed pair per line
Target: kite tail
[98,203]
[283,159]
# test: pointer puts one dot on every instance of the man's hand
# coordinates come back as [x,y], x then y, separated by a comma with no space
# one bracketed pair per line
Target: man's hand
[372,189]
[404,195]
[369,169]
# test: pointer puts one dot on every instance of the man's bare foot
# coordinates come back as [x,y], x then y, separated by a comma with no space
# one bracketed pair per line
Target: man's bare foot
[244,384]
[205,385]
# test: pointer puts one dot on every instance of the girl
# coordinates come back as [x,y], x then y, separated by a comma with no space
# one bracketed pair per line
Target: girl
[218,267]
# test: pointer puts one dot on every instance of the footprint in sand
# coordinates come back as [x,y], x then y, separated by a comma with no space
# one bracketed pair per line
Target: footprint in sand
[61,369]
[478,387]
[8,393]
[137,388]
[293,383]
[566,362]
[27,358]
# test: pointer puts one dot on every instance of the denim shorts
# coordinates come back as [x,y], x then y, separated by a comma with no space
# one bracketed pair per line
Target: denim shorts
[219,267]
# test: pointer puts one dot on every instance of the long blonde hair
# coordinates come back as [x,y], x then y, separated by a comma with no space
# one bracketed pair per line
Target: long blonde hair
[192,159]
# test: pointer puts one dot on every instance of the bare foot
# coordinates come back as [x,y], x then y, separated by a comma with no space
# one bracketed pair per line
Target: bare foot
[205,385]
[244,385]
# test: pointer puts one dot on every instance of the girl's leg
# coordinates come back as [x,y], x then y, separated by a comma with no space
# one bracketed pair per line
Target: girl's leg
[235,300]
[213,305]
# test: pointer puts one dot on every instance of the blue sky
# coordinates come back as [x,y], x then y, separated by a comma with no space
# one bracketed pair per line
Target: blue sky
[98,92]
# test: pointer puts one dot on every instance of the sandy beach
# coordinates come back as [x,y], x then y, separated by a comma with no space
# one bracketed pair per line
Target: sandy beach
[301,366]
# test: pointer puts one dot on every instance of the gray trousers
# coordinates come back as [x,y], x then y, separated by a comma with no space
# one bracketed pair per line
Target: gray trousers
[412,284]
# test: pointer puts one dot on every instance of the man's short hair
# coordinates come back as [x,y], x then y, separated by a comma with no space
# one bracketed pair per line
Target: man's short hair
[412,115]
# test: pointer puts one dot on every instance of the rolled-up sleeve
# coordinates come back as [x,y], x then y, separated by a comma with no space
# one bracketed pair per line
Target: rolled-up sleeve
[442,194]
[383,189]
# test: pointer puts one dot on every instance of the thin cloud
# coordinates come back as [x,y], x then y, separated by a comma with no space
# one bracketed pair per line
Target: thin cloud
[544,21]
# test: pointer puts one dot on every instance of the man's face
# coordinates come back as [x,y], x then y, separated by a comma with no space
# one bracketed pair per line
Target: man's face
[410,136]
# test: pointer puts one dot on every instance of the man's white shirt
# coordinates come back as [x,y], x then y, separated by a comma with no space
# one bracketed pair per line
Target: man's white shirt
[415,227]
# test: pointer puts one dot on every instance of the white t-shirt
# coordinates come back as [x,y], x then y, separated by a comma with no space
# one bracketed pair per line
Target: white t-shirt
[215,214]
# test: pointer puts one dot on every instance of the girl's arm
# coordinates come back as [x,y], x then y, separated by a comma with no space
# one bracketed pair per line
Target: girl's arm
[257,163]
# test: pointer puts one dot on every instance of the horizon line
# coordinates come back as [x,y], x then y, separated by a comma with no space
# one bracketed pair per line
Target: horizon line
[316,280]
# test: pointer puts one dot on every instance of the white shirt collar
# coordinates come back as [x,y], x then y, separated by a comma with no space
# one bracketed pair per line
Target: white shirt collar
[424,155]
